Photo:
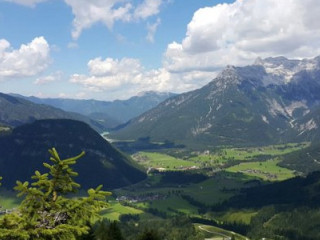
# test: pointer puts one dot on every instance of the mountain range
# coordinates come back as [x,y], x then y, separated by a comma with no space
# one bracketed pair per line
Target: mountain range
[108,113]
[15,111]
[274,100]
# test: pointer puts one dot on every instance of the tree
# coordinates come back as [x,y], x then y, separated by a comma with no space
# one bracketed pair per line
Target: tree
[46,213]
[108,231]
[149,235]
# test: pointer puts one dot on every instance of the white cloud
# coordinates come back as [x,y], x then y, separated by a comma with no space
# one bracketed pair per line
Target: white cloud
[147,9]
[152,28]
[127,77]
[86,13]
[29,3]
[57,76]
[237,33]
[29,60]
[110,73]
[44,80]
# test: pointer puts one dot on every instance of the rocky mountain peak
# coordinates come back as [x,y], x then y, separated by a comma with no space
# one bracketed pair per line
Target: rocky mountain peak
[281,70]
[232,75]
[228,76]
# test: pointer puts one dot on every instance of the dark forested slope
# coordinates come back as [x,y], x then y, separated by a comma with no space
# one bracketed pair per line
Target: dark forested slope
[26,148]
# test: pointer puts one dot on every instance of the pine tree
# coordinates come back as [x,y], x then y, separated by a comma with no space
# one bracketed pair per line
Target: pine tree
[46,213]
[149,235]
[108,231]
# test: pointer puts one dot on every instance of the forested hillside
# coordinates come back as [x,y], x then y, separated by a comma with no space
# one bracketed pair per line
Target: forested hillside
[23,151]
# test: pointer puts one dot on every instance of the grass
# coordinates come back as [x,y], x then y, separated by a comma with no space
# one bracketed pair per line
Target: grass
[272,150]
[268,170]
[238,216]
[219,233]
[208,160]
[8,199]
[171,205]
[217,159]
[250,153]
[116,209]
[161,160]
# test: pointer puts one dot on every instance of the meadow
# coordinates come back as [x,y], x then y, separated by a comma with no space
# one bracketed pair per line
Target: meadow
[267,170]
[162,161]
[216,233]
[218,158]
[116,209]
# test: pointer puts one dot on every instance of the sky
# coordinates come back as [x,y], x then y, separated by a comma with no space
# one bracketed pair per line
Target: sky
[115,49]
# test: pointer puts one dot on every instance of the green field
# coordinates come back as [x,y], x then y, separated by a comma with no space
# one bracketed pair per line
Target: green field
[232,215]
[268,170]
[116,209]
[272,150]
[245,154]
[217,159]
[215,233]
[170,204]
[162,161]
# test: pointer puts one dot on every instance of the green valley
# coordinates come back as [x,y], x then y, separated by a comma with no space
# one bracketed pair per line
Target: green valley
[211,196]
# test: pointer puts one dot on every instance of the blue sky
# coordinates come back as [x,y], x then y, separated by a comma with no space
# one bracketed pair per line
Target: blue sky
[114,49]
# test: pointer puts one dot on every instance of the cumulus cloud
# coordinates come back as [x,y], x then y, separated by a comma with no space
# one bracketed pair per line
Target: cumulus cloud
[29,3]
[152,28]
[29,60]
[128,76]
[110,73]
[86,13]
[237,33]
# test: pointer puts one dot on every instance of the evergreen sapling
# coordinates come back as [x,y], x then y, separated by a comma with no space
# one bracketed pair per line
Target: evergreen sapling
[46,213]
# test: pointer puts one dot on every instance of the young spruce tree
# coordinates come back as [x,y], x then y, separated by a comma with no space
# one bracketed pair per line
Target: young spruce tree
[46,213]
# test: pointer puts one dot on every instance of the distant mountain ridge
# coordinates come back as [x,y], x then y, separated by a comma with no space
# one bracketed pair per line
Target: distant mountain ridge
[108,113]
[272,101]
[16,111]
